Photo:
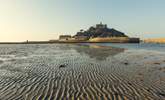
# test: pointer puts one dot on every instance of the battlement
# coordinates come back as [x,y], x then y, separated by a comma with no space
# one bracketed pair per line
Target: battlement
[101,25]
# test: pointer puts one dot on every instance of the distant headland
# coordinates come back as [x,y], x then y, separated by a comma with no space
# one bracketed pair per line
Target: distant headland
[154,40]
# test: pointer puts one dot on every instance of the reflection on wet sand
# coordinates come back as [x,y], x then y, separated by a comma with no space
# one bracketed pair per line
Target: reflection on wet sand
[98,52]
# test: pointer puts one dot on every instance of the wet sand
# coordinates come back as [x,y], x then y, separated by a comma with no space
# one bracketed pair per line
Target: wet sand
[66,71]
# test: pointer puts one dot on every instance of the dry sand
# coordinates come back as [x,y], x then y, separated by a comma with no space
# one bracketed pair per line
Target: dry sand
[155,40]
[66,71]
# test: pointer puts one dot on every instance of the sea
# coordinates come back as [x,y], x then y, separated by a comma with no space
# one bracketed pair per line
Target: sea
[135,46]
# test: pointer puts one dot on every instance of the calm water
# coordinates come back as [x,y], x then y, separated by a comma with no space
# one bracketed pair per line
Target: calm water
[134,46]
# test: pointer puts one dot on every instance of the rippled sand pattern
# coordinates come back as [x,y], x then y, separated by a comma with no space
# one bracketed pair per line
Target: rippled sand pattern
[33,72]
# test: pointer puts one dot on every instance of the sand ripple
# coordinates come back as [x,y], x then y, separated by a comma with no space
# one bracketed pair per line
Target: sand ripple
[35,75]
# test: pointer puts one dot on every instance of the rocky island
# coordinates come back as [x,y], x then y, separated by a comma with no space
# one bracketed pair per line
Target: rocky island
[99,33]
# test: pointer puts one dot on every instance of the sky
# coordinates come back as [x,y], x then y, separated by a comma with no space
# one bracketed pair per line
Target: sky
[22,20]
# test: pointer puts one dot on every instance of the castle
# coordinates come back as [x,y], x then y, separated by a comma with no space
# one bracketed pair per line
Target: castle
[101,26]
[98,33]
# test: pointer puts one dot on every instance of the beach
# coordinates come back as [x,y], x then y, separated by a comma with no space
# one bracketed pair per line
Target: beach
[80,72]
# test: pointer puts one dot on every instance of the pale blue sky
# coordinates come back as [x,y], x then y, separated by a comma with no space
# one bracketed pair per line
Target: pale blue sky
[22,20]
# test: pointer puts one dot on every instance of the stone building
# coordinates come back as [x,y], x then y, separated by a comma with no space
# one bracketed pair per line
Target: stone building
[65,37]
[101,26]
[81,38]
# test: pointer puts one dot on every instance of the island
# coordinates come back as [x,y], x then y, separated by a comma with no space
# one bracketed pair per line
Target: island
[99,33]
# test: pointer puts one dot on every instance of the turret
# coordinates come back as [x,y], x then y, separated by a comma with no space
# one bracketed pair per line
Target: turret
[101,25]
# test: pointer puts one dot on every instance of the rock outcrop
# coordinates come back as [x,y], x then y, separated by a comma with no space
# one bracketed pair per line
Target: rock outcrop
[100,30]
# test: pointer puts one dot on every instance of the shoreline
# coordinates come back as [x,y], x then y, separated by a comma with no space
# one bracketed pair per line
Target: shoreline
[94,40]
[49,42]
[63,42]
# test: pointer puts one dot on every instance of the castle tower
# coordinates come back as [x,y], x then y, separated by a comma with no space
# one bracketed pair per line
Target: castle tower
[101,25]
